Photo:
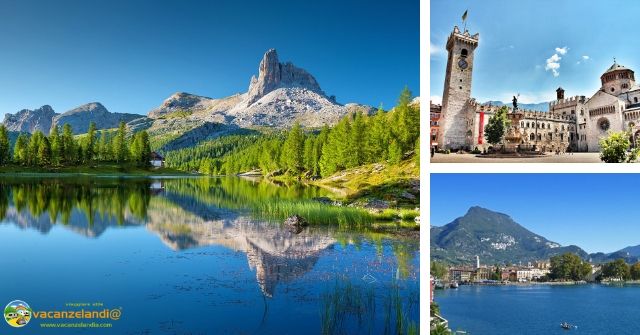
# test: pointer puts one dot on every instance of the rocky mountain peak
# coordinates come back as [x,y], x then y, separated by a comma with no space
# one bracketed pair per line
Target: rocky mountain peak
[92,107]
[81,117]
[27,120]
[181,101]
[493,236]
[273,75]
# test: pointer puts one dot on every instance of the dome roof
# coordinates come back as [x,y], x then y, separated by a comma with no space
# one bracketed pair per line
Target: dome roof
[616,67]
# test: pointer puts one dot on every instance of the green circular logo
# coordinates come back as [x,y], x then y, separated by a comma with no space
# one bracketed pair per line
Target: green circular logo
[17,313]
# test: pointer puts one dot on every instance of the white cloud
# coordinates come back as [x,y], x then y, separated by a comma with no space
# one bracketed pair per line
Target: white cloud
[507,47]
[562,51]
[435,99]
[435,49]
[583,59]
[553,62]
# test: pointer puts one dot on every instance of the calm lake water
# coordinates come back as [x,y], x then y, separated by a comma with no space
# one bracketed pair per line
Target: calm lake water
[595,309]
[196,256]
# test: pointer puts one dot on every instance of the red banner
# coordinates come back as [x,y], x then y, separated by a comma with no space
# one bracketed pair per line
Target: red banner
[481,129]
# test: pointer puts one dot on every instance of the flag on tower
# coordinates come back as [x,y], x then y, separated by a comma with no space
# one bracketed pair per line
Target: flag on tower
[464,16]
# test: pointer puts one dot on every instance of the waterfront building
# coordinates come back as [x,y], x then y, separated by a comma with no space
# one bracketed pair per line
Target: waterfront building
[461,274]
[529,274]
[482,273]
[542,265]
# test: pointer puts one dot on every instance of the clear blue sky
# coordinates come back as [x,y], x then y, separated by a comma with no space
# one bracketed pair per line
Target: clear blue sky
[517,38]
[597,212]
[131,55]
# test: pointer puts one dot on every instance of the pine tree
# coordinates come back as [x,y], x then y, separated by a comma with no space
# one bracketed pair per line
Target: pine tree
[145,159]
[136,148]
[120,149]
[377,141]
[408,124]
[293,150]
[342,145]
[20,149]
[335,152]
[90,143]
[69,150]
[56,145]
[357,141]
[44,152]
[104,152]
[309,145]
[5,146]
[141,149]
[32,158]
[317,149]
[395,152]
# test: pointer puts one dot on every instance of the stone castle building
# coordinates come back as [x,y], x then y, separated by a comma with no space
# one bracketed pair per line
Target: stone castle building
[572,124]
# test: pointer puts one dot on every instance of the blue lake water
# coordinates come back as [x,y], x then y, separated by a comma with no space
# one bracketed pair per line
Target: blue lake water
[595,309]
[190,256]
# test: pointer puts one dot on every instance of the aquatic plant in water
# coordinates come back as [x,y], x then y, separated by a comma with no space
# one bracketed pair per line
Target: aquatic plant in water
[347,306]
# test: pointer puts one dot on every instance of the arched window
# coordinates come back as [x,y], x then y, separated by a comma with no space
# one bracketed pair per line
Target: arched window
[635,99]
[532,137]
[543,126]
[612,89]
[464,53]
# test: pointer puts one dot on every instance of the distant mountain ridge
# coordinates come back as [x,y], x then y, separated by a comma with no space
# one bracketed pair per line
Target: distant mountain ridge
[540,106]
[44,118]
[494,237]
[81,117]
[497,238]
[30,121]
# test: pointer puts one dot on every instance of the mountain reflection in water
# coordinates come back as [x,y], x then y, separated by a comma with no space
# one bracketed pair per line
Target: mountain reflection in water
[185,213]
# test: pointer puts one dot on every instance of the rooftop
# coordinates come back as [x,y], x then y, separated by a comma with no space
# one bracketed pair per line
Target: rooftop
[616,67]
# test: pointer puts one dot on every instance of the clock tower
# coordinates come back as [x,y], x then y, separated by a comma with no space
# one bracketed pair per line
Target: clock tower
[455,123]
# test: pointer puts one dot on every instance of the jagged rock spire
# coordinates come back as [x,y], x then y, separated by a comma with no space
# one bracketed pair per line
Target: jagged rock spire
[273,74]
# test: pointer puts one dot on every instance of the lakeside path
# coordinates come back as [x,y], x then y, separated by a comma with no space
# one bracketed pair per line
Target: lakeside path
[533,283]
[555,283]
[579,157]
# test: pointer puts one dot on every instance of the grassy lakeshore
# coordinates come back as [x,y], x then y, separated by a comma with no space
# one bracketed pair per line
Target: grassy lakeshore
[90,169]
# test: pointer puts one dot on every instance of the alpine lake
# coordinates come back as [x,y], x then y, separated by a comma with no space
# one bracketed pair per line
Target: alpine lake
[200,255]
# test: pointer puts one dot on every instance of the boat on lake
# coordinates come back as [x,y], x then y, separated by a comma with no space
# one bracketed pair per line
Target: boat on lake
[567,326]
[454,284]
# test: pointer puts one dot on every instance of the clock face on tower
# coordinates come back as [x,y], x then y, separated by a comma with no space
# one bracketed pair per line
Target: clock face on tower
[462,64]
